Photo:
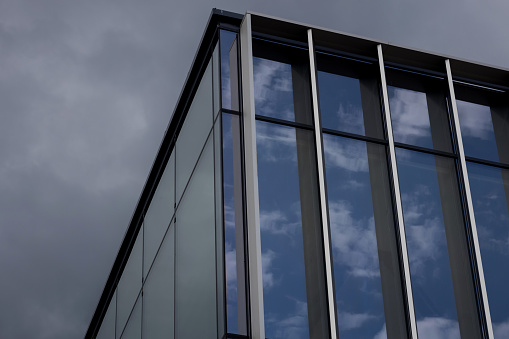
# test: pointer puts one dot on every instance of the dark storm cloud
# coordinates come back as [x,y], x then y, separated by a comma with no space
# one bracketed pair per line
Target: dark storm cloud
[86,92]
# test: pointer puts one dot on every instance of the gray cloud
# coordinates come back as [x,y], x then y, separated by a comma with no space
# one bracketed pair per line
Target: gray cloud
[86,90]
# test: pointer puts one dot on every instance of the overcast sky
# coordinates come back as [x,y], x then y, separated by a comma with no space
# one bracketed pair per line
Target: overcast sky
[87,89]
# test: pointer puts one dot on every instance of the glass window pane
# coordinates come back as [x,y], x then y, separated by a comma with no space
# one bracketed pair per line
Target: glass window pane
[158,292]
[281,82]
[349,96]
[194,132]
[217,81]
[133,327]
[195,289]
[227,39]
[484,120]
[490,191]
[130,283]
[291,238]
[477,130]
[419,110]
[233,227]
[158,216]
[443,290]
[107,330]
[362,226]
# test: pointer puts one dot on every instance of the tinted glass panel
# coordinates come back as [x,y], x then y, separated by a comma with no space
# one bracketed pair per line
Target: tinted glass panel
[484,121]
[195,289]
[233,226]
[281,82]
[130,283]
[418,110]
[218,200]
[477,130]
[107,330]
[227,39]
[349,99]
[490,189]
[292,256]
[158,292]
[133,327]
[159,214]
[421,182]
[360,215]
[194,132]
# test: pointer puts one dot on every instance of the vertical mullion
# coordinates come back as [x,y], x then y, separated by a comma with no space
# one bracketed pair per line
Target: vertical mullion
[397,197]
[321,183]
[470,207]
[251,177]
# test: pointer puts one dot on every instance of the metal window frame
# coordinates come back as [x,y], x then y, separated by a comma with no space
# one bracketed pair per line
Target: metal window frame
[469,203]
[397,197]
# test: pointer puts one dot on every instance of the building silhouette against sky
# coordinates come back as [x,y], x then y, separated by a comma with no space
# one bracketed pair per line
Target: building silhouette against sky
[314,184]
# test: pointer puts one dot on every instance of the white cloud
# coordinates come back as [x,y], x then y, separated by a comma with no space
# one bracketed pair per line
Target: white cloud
[353,241]
[231,267]
[350,321]
[267,276]
[275,143]
[293,325]
[351,118]
[501,330]
[475,120]
[438,328]
[350,156]
[276,222]
[409,113]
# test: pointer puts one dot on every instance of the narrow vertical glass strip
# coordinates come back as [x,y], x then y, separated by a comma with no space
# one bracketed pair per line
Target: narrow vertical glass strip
[226,43]
[218,201]
[292,245]
[234,227]
[490,196]
[432,213]
[195,277]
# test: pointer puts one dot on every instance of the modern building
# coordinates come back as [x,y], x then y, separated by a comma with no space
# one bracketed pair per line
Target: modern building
[315,184]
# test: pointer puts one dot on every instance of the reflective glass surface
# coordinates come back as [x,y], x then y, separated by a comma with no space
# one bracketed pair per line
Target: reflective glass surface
[130,283]
[477,130]
[281,82]
[233,226]
[422,178]
[159,214]
[409,114]
[194,132]
[227,39]
[349,96]
[195,282]
[419,110]
[490,188]
[360,311]
[289,222]
[158,292]
[107,330]
[133,328]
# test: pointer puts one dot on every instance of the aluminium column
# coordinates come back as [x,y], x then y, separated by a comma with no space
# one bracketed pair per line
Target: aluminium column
[468,196]
[321,183]
[397,196]
[251,176]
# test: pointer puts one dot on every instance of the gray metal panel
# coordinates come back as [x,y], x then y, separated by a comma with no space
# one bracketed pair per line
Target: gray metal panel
[470,206]
[397,196]
[251,167]
[321,183]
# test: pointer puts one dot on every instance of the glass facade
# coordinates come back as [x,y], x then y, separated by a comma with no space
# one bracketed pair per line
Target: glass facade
[313,188]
